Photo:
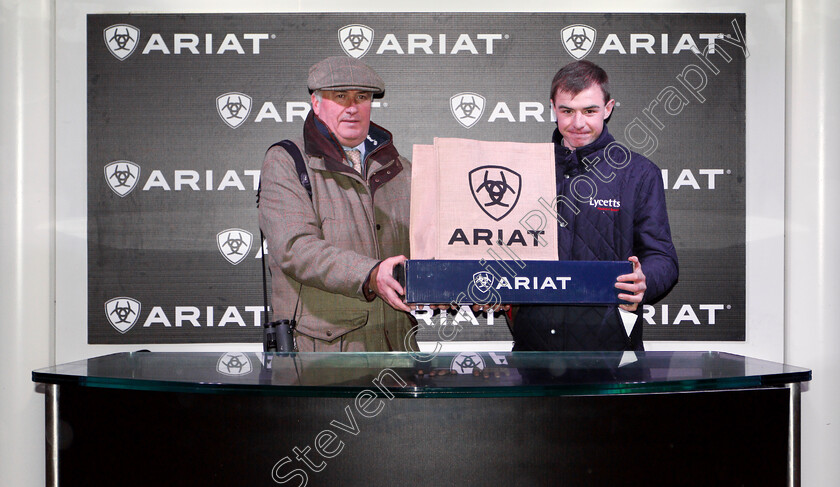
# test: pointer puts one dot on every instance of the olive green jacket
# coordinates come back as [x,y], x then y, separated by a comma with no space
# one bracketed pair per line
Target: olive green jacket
[320,251]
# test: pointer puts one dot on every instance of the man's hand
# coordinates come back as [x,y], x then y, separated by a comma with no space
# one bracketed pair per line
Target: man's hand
[477,308]
[635,284]
[383,284]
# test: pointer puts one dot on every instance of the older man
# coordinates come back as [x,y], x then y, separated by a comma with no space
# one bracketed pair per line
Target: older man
[332,253]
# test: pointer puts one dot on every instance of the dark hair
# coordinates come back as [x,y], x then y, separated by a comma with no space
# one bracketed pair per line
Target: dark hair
[578,76]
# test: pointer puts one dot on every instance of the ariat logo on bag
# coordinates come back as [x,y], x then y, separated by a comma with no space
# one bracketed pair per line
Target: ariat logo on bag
[496,189]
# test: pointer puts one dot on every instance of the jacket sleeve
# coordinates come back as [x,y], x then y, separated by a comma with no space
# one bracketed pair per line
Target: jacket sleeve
[292,228]
[652,242]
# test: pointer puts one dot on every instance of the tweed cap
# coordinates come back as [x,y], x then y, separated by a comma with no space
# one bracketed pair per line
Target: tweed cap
[344,73]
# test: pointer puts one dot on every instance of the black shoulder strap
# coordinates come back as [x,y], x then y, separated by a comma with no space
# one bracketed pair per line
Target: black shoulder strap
[303,176]
[293,151]
[300,166]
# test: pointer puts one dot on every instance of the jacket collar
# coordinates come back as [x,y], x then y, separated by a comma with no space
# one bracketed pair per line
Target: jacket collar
[320,142]
[563,154]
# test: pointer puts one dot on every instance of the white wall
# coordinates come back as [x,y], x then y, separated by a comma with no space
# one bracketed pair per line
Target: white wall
[26,233]
[801,290]
[812,287]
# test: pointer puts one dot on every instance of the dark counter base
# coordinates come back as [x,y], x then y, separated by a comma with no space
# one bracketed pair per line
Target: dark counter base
[144,438]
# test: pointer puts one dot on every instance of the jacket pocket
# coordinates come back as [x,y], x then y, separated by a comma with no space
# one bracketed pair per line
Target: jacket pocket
[331,324]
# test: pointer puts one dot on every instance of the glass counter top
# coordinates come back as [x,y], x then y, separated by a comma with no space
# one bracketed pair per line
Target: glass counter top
[465,374]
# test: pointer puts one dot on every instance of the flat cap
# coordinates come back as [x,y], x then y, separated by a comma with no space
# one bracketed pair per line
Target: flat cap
[344,73]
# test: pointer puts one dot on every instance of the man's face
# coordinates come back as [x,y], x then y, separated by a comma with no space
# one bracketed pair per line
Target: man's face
[580,118]
[345,113]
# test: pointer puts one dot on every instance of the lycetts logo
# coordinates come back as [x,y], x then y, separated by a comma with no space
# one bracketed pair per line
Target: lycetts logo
[605,205]
[122,312]
[355,39]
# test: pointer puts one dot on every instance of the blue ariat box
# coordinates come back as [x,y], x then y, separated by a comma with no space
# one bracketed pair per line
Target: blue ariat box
[512,282]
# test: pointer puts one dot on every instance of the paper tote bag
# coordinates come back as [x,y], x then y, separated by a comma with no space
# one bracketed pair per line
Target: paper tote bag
[473,200]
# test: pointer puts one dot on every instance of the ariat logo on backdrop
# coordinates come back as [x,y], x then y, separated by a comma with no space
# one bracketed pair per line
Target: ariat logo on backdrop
[234,363]
[685,314]
[234,108]
[495,189]
[121,40]
[234,244]
[122,176]
[578,39]
[467,108]
[355,39]
[122,313]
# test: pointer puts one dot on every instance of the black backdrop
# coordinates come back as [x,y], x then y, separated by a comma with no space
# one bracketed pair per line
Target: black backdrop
[182,107]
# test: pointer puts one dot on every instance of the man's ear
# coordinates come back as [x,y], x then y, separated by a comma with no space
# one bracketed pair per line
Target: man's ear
[316,105]
[608,108]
